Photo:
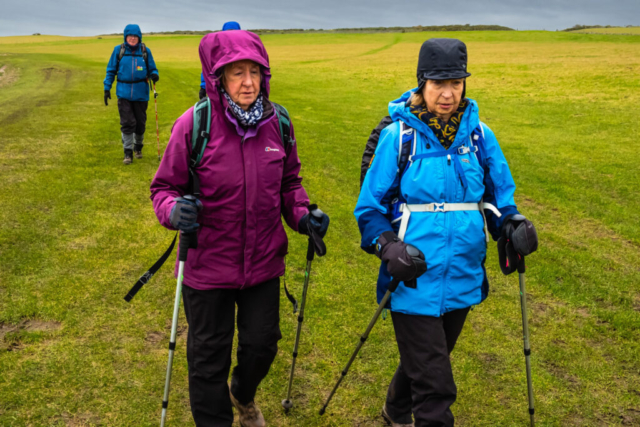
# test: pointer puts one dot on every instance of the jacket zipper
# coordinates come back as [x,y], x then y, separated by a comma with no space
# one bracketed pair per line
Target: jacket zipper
[132,72]
[244,177]
[449,227]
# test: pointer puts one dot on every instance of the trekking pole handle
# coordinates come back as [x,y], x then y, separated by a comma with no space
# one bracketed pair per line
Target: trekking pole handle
[185,238]
[394,285]
[183,247]
[521,265]
[311,252]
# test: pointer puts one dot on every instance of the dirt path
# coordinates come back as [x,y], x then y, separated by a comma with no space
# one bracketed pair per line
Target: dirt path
[7,75]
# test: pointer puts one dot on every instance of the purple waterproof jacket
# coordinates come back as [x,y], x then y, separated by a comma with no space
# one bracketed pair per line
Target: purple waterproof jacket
[248,179]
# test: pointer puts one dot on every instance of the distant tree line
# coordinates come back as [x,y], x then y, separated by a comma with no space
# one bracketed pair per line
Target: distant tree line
[418,28]
[586,27]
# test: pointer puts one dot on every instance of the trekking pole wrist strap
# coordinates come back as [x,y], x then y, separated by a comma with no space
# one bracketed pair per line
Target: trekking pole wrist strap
[149,273]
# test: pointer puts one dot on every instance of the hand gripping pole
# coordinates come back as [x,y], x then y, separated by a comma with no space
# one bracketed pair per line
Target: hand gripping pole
[363,338]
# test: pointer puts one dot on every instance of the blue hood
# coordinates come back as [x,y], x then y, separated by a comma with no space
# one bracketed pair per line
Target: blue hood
[399,110]
[231,25]
[132,30]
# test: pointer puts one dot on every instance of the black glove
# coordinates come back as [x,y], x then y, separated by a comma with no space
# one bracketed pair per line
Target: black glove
[107,95]
[315,225]
[155,78]
[203,92]
[404,262]
[519,239]
[185,213]
[315,221]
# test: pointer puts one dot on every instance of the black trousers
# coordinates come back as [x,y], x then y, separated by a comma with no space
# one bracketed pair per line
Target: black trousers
[423,383]
[211,318]
[133,116]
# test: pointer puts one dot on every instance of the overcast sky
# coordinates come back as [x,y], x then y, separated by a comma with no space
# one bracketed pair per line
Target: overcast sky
[90,17]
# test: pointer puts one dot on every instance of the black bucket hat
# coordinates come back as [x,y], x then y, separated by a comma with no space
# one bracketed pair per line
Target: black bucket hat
[442,59]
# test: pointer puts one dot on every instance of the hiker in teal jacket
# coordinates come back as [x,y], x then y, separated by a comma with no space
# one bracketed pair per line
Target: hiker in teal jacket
[132,63]
[455,181]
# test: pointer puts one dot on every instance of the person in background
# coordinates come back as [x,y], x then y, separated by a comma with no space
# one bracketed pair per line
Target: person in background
[132,63]
[231,25]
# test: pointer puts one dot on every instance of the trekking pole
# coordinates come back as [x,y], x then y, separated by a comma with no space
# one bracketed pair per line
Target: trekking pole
[287,403]
[183,248]
[363,338]
[155,100]
[525,330]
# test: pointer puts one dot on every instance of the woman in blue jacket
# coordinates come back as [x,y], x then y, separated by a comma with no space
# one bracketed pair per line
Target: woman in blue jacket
[133,64]
[454,189]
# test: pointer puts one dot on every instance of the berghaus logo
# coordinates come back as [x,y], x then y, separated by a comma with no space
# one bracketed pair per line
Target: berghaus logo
[271,149]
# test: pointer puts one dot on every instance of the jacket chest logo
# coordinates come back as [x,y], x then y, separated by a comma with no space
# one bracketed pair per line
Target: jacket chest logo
[271,149]
[139,68]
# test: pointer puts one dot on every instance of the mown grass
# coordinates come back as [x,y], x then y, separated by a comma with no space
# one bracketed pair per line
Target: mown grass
[77,228]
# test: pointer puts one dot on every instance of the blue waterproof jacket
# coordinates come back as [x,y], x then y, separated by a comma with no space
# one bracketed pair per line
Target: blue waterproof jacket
[454,243]
[132,72]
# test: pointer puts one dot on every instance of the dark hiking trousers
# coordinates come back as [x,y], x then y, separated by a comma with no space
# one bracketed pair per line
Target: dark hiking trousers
[211,318]
[423,383]
[133,119]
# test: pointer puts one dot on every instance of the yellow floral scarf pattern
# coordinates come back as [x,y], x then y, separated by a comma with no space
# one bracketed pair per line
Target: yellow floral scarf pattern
[445,132]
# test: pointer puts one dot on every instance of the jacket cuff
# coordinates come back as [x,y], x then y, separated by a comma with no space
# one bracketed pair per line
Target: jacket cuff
[298,213]
[164,213]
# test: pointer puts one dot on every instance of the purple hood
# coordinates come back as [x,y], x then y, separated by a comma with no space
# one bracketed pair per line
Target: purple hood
[219,49]
[249,181]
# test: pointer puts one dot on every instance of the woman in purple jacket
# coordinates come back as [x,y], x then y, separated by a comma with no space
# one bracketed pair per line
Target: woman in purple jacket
[248,179]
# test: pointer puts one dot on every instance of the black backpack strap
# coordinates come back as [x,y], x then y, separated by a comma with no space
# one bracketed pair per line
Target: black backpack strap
[120,55]
[145,56]
[202,134]
[284,122]
[149,273]
[406,149]
[370,148]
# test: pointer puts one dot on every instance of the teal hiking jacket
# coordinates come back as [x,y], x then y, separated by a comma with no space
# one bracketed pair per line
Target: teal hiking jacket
[133,71]
[454,243]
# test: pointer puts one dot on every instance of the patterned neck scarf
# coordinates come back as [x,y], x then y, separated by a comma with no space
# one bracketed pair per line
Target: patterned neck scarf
[445,132]
[249,117]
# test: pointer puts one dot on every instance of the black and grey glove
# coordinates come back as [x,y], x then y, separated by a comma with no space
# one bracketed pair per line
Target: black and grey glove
[154,77]
[184,214]
[315,225]
[404,262]
[518,239]
[315,221]
[107,95]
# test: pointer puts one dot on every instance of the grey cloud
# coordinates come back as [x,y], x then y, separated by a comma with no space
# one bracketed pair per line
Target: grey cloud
[74,18]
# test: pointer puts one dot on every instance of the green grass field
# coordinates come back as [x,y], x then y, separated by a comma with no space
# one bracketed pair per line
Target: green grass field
[77,229]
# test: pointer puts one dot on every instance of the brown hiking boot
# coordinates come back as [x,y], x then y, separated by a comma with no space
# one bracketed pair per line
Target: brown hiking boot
[392,423]
[138,154]
[128,157]
[249,414]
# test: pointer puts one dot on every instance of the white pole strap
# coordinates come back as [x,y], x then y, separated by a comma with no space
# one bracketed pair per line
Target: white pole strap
[404,222]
